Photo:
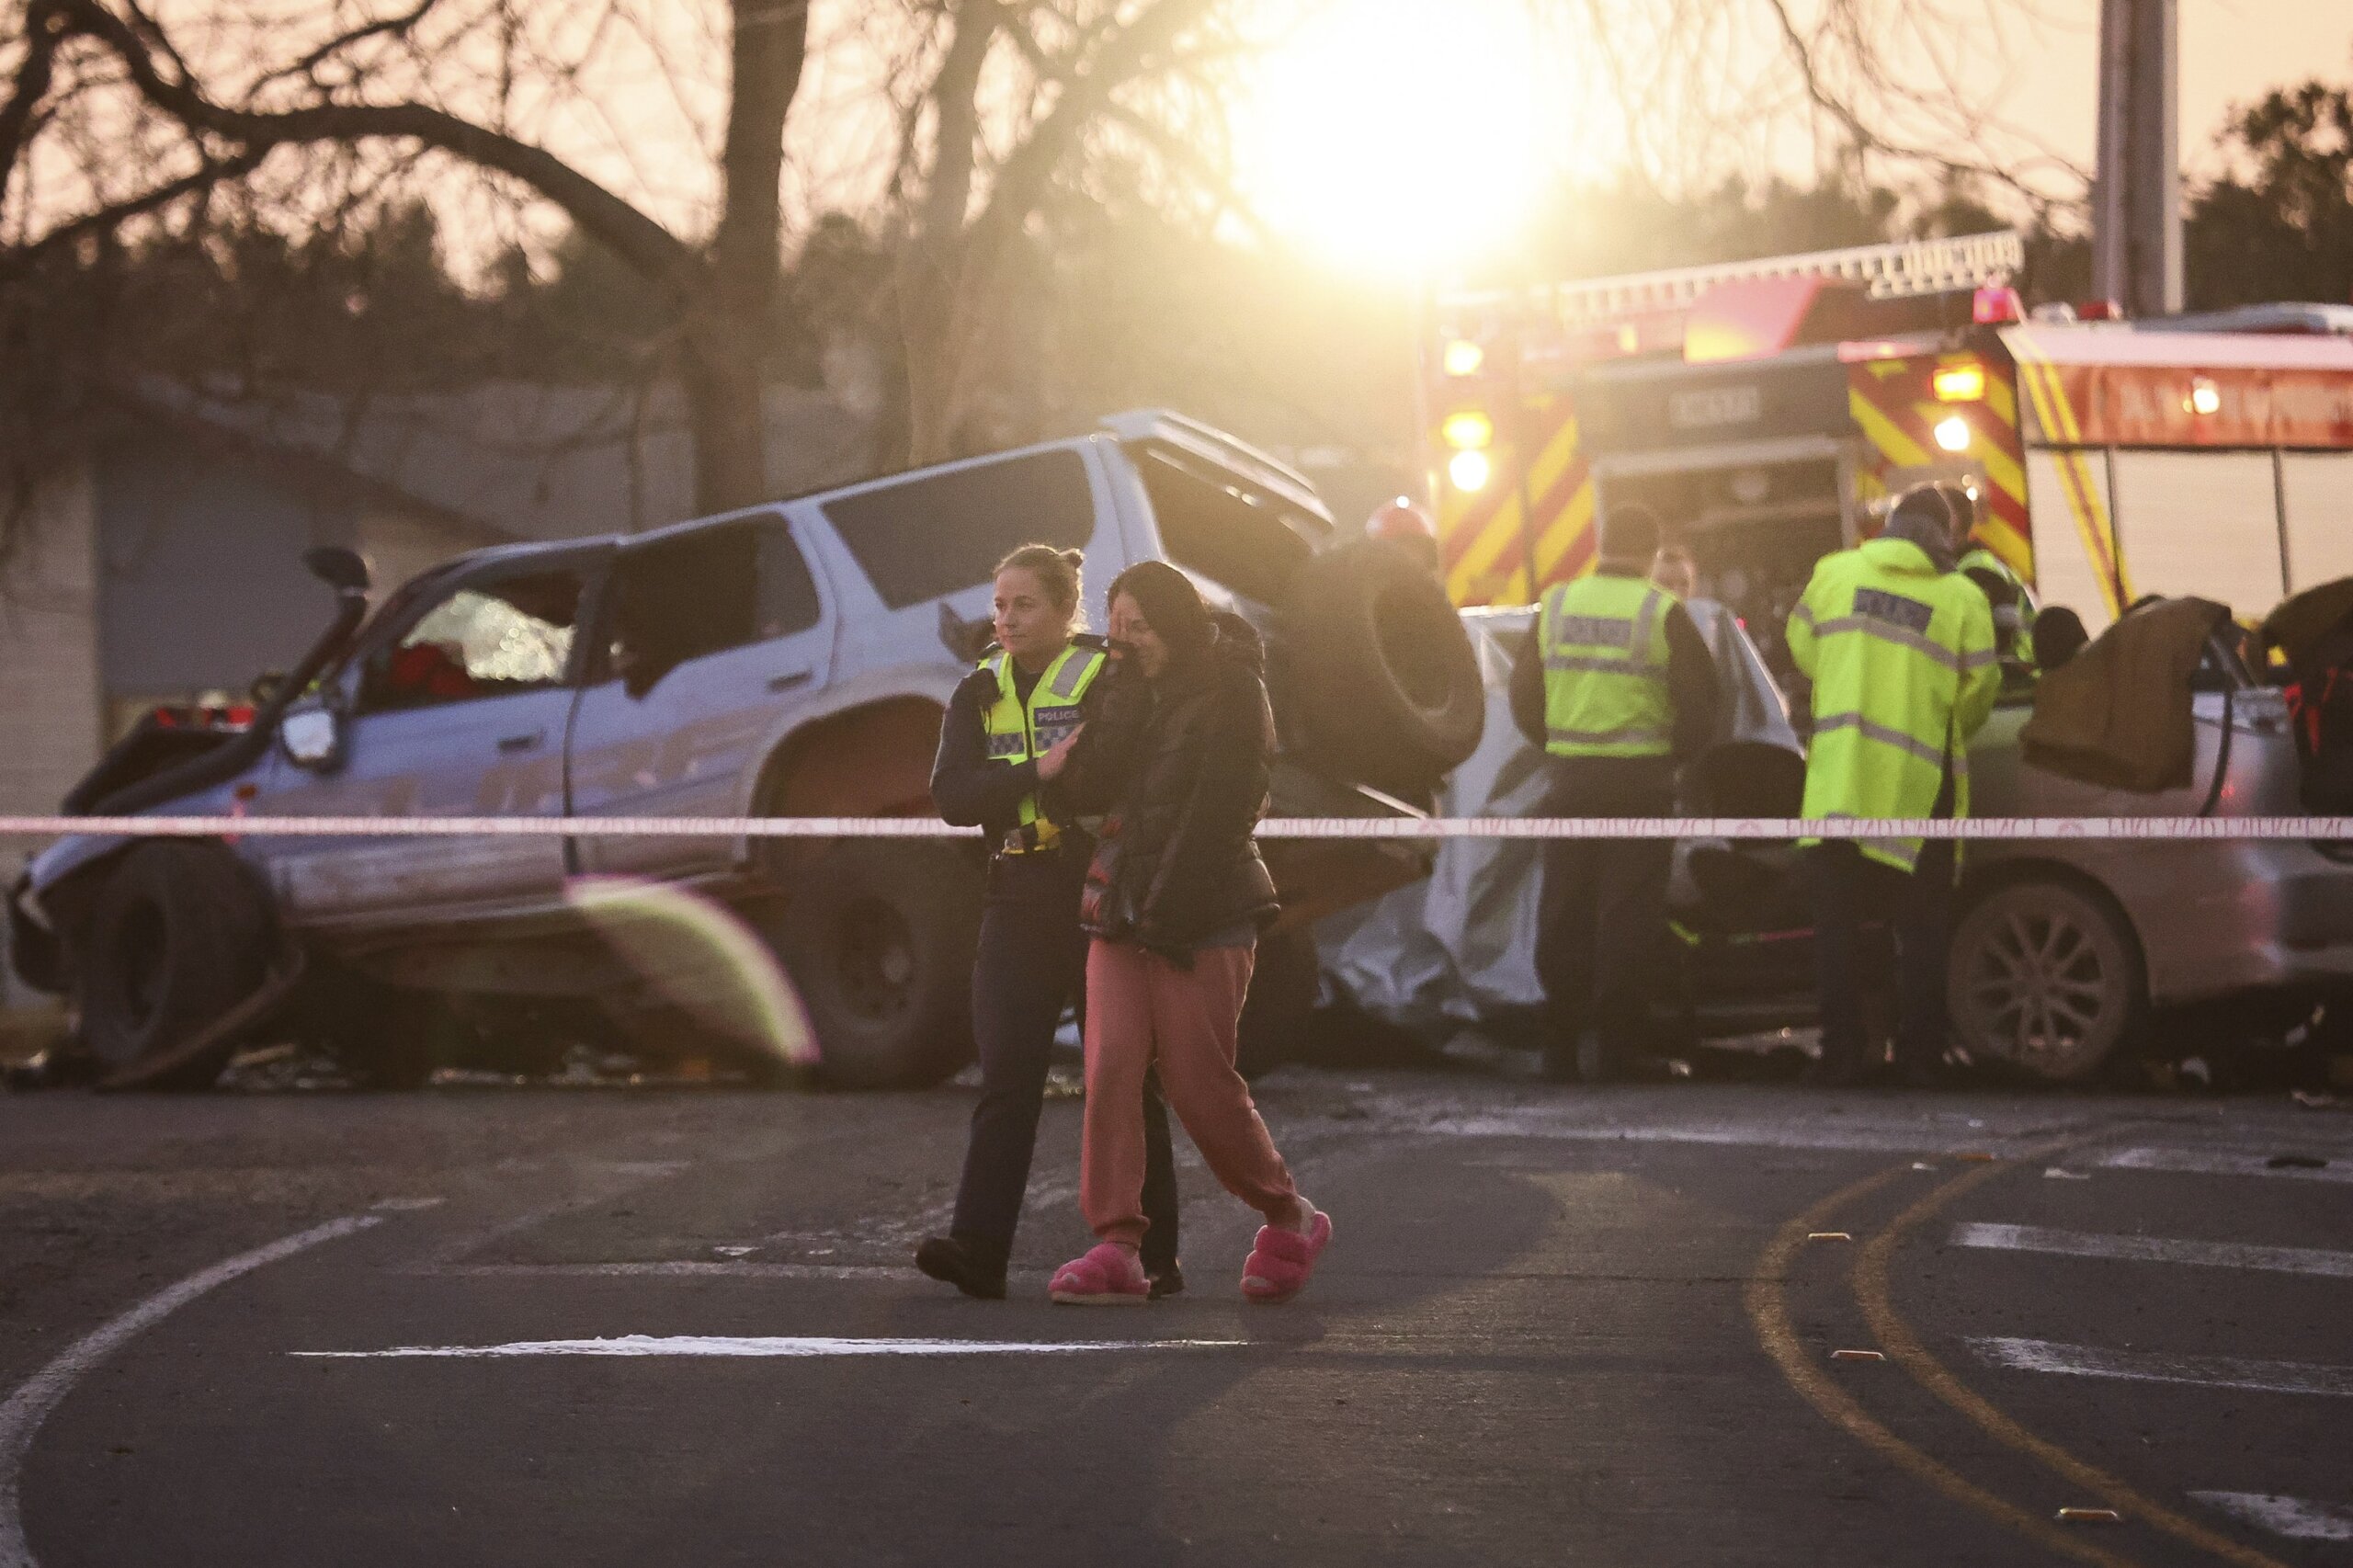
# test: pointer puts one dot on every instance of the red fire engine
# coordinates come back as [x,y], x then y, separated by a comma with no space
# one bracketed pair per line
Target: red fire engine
[1763,407]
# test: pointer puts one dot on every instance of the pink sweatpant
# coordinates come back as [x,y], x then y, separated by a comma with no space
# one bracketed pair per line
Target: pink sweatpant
[1140,1009]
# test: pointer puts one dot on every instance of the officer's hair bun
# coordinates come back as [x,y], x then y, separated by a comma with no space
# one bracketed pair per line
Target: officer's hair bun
[1075,558]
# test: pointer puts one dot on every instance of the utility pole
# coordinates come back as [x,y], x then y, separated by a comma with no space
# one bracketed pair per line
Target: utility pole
[2136,195]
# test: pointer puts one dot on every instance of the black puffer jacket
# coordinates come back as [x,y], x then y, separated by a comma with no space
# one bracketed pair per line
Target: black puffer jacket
[1181,769]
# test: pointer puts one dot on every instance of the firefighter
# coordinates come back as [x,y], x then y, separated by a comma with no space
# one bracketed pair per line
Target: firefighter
[2005,590]
[1008,729]
[1899,648]
[1617,685]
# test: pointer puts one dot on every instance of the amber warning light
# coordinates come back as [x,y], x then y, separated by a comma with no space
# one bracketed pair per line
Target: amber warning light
[1960,383]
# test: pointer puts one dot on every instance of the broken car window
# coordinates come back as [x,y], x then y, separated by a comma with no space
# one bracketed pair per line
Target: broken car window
[483,639]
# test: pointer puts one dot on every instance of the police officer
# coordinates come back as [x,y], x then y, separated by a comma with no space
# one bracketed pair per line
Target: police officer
[1900,650]
[1009,731]
[1616,684]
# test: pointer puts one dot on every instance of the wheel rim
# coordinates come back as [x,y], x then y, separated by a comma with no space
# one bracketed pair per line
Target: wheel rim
[2039,982]
[874,962]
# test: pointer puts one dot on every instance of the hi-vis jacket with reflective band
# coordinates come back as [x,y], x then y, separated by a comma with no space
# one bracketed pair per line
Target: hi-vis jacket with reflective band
[1904,671]
[1982,560]
[1017,733]
[1604,641]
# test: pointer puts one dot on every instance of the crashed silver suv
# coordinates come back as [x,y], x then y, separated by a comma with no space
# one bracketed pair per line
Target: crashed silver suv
[791,660]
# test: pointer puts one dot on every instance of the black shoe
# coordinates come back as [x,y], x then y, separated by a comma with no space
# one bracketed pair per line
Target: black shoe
[1167,1279]
[953,1260]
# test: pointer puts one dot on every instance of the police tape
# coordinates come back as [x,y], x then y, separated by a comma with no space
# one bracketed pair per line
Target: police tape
[1975,829]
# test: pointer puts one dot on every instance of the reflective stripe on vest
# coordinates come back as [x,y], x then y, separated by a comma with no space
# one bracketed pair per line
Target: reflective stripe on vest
[1604,645]
[1018,732]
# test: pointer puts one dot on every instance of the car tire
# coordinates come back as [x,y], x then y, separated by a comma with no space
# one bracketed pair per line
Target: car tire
[2045,979]
[879,939]
[1386,680]
[1279,1010]
[180,934]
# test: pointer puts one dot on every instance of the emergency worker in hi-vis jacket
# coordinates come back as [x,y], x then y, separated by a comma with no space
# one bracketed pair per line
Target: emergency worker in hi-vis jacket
[1617,686]
[1900,650]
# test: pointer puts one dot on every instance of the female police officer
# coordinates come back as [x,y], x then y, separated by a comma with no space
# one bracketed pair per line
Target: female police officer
[1009,731]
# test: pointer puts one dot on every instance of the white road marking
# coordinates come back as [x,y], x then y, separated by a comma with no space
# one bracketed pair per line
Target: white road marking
[2292,1517]
[1545,1122]
[26,1408]
[714,1345]
[2158,1367]
[2156,1249]
[2221,1162]
[688,1269]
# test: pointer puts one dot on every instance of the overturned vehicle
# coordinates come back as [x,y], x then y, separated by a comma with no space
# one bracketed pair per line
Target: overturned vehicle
[792,660]
[2067,953]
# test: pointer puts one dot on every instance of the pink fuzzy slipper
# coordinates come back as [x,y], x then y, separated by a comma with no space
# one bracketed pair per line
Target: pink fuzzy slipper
[1107,1275]
[1281,1260]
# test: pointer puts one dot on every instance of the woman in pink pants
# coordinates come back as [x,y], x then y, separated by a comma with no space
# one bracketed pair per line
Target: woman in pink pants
[1178,754]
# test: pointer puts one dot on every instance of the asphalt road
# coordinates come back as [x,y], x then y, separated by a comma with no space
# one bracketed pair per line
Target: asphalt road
[1555,1325]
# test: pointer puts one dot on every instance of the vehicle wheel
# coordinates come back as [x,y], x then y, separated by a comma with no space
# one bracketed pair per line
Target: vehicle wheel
[179,935]
[879,938]
[2045,980]
[1386,676]
[1279,1009]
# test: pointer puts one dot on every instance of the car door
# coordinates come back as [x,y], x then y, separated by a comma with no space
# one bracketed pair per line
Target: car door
[709,638]
[459,707]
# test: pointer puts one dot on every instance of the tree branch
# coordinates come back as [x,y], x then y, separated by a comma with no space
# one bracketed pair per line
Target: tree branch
[15,262]
[643,244]
[34,73]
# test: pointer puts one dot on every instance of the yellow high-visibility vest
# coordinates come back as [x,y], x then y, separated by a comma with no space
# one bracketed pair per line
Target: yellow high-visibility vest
[1604,643]
[1019,733]
[1903,669]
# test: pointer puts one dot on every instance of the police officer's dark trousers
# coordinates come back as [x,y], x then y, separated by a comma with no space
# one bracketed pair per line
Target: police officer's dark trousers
[1031,964]
[1601,920]
[1850,892]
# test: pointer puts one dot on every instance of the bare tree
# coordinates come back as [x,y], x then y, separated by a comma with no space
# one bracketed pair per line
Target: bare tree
[124,111]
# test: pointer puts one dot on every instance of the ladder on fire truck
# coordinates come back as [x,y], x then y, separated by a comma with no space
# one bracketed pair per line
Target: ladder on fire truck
[1901,269]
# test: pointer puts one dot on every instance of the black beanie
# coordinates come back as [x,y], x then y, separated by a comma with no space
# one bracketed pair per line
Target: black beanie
[1629,532]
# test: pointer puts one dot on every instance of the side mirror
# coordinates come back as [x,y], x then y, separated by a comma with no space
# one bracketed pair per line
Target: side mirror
[312,737]
[344,571]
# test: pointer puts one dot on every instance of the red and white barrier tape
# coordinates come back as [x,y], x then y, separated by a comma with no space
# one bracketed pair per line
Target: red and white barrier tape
[1975,829]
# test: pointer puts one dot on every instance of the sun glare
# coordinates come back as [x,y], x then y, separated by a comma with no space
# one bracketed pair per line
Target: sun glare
[1398,136]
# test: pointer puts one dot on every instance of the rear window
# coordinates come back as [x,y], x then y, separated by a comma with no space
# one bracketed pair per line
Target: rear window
[933,534]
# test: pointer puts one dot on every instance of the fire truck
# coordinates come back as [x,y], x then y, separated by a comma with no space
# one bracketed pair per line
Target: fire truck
[1766,409]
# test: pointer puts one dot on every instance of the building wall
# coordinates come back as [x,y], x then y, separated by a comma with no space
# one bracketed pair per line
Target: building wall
[51,710]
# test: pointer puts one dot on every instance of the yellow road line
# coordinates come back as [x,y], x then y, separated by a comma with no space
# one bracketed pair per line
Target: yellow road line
[1768,1305]
[1870,1283]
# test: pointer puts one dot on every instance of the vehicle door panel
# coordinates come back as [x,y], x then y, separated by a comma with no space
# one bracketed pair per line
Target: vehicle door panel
[475,727]
[690,744]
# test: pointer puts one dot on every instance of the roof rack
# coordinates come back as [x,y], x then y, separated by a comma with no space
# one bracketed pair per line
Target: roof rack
[1897,270]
